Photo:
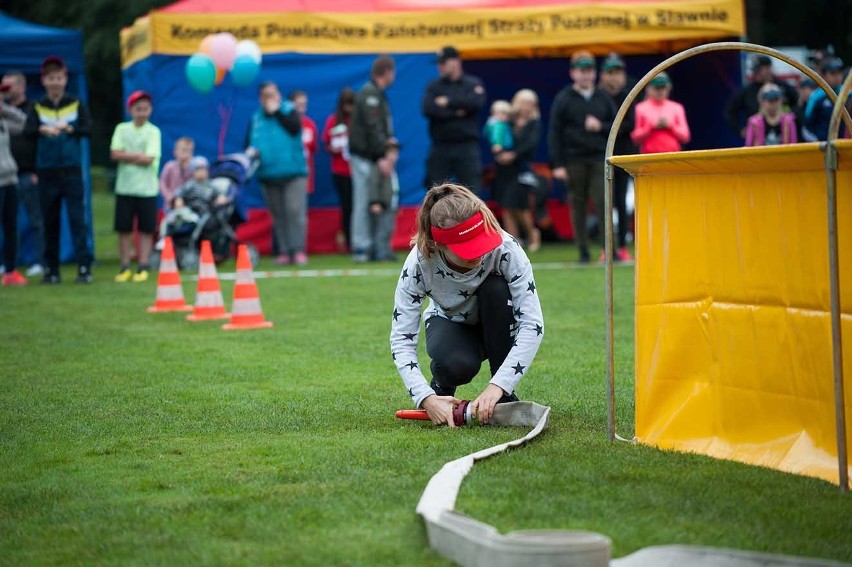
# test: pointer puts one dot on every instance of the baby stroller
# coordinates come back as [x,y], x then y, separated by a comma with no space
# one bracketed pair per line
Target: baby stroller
[214,222]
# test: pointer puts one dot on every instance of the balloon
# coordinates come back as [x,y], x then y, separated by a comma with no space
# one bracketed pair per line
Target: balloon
[248,47]
[245,70]
[201,72]
[206,44]
[220,76]
[223,50]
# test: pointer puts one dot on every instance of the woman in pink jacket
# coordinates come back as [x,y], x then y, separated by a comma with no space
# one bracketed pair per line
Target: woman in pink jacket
[770,126]
[660,123]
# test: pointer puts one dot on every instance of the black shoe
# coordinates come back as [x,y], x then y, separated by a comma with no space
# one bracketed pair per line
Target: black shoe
[441,390]
[584,256]
[51,279]
[84,276]
[508,398]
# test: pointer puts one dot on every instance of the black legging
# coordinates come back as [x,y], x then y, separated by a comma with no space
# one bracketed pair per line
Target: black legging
[343,186]
[9,210]
[457,350]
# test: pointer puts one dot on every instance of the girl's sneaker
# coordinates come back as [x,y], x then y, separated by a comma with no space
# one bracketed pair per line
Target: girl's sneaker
[301,259]
[14,278]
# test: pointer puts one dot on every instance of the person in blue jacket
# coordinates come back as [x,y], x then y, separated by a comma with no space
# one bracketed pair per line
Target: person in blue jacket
[275,137]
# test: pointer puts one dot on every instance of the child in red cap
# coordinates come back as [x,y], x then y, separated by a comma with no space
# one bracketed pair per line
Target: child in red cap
[482,304]
[136,146]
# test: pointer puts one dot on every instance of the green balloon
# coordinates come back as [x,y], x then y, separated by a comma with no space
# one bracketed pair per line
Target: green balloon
[201,72]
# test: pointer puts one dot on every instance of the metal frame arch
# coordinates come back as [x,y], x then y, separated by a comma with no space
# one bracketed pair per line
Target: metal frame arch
[608,180]
[834,278]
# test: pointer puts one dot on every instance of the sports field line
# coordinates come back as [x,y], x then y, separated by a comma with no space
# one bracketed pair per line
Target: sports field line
[384,272]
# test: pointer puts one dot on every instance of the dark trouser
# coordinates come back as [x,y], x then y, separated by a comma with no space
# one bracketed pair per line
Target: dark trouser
[457,350]
[585,179]
[55,187]
[343,186]
[619,202]
[9,212]
[29,196]
[460,162]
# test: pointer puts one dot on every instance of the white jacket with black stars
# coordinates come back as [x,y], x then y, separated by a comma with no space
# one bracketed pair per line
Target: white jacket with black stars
[452,295]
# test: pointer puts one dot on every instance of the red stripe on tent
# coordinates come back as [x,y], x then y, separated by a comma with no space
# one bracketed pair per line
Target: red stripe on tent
[363,6]
[323,224]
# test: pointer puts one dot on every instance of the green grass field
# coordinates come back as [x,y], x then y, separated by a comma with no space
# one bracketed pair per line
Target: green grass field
[133,438]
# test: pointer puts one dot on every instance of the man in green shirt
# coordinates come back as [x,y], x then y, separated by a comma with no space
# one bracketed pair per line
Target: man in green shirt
[136,146]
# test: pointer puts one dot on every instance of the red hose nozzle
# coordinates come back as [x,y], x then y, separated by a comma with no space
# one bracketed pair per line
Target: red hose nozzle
[462,414]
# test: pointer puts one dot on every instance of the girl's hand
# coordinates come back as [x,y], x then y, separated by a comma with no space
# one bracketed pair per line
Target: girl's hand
[440,409]
[483,406]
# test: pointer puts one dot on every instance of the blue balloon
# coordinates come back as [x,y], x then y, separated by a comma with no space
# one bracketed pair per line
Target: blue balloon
[245,70]
[201,72]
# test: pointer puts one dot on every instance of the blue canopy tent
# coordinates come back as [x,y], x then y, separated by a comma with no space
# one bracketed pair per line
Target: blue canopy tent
[23,47]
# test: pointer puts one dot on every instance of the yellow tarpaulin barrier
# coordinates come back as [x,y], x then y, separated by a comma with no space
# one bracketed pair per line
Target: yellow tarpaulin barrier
[733,335]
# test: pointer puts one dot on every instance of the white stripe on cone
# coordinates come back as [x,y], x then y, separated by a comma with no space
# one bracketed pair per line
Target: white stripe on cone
[169,292]
[168,266]
[209,299]
[244,277]
[207,271]
[245,307]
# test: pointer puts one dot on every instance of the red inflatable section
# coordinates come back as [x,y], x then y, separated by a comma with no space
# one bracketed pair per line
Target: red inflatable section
[324,224]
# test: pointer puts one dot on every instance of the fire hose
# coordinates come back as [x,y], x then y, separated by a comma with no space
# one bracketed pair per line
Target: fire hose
[470,542]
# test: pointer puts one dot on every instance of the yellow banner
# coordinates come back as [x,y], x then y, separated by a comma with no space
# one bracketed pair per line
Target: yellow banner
[733,334]
[641,27]
[136,42]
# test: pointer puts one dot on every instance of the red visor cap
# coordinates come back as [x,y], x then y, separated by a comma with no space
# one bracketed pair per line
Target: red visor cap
[469,239]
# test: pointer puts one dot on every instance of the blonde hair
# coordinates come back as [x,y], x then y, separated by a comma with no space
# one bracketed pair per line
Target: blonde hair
[185,140]
[528,95]
[445,206]
[501,106]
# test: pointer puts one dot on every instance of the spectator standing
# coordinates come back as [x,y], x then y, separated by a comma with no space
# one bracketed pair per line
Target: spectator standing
[374,152]
[744,104]
[24,152]
[176,172]
[451,104]
[819,106]
[335,136]
[807,87]
[613,81]
[580,120]
[12,121]
[513,179]
[60,121]
[275,136]
[136,146]
[660,123]
[771,126]
[310,134]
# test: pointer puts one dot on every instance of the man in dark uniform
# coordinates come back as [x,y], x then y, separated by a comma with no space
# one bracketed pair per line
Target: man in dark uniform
[615,82]
[451,104]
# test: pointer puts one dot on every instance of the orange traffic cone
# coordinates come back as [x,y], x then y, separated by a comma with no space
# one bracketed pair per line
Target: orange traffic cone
[208,295]
[245,311]
[169,291]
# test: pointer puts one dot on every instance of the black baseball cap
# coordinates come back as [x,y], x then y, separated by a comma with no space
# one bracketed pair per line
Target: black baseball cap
[832,64]
[447,52]
[762,61]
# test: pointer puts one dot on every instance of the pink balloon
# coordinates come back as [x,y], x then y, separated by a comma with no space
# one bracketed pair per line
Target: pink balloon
[223,50]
